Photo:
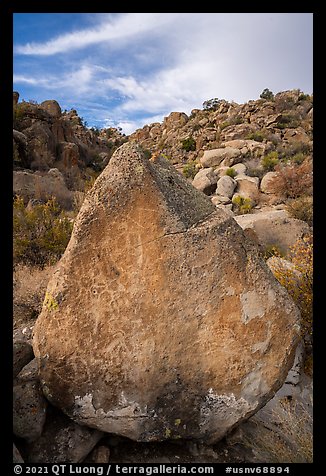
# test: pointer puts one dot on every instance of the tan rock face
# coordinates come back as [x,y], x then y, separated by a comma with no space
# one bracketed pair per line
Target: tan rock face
[52,107]
[161,321]
[274,228]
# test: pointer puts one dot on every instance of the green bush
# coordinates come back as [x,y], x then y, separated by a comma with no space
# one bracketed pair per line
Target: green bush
[212,104]
[304,97]
[40,233]
[267,94]
[189,144]
[290,121]
[257,136]
[288,152]
[242,205]
[269,161]
[231,172]
[190,170]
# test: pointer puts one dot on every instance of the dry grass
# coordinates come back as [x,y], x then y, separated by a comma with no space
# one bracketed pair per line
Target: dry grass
[29,288]
[288,440]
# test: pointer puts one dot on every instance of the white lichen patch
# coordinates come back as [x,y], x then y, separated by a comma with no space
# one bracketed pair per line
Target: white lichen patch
[221,411]
[252,306]
[84,407]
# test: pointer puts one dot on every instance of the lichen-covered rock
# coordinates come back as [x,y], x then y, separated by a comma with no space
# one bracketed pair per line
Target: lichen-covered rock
[164,321]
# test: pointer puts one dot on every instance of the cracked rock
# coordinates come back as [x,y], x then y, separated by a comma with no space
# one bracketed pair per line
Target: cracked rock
[163,321]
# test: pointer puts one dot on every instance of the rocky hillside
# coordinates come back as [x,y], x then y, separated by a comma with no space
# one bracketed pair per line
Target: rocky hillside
[283,121]
[54,153]
[247,142]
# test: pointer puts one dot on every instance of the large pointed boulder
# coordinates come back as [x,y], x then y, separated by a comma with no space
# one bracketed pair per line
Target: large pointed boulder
[161,320]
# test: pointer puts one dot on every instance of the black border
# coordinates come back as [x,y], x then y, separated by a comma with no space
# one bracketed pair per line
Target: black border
[6,35]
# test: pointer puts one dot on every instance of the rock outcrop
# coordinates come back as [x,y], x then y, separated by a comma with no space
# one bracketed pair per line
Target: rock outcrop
[45,137]
[274,228]
[162,320]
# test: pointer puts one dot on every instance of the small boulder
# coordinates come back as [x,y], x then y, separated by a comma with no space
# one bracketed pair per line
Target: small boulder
[205,181]
[248,187]
[273,228]
[214,157]
[22,354]
[225,186]
[52,107]
[266,184]
[15,97]
[239,168]
[29,404]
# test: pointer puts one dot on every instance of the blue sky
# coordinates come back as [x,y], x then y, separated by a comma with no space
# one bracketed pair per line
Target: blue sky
[132,69]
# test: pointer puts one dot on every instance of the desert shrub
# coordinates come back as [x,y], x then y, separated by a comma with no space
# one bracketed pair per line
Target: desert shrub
[212,104]
[189,144]
[40,233]
[190,169]
[298,158]
[147,153]
[292,150]
[288,440]
[292,181]
[20,110]
[241,204]
[299,280]
[230,172]
[289,120]
[267,94]
[223,125]
[301,208]
[233,121]
[269,161]
[272,250]
[256,135]
[304,97]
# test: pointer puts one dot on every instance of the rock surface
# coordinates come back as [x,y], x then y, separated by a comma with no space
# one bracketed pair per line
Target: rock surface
[162,320]
[29,404]
[274,228]
[22,354]
[205,181]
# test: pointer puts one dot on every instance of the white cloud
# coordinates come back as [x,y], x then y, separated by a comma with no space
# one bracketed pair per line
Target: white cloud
[114,28]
